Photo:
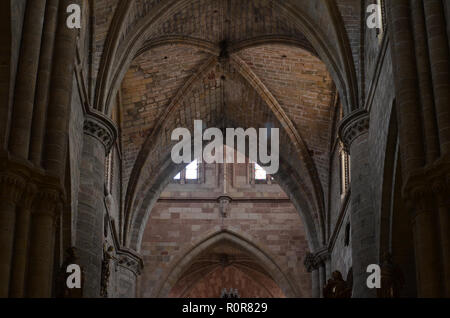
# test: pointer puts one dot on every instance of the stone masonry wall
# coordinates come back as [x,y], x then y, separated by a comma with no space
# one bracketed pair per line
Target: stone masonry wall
[273,225]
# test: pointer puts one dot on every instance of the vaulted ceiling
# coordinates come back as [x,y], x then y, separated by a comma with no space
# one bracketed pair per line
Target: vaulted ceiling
[229,63]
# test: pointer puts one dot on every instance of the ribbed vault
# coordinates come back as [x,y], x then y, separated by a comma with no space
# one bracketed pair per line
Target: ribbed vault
[139,22]
[228,72]
[222,93]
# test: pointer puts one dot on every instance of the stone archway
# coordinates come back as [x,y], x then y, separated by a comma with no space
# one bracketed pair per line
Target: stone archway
[267,267]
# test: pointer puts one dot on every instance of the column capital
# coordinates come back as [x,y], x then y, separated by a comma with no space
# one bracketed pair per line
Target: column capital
[310,262]
[11,186]
[102,128]
[313,261]
[46,201]
[130,260]
[353,126]
[428,185]
[28,196]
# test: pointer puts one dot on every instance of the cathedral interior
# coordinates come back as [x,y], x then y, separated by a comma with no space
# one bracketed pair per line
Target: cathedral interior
[92,90]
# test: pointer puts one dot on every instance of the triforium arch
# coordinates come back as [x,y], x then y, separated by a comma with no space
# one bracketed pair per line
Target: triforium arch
[275,271]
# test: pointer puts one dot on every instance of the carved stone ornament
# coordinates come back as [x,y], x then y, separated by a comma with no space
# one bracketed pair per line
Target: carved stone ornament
[101,128]
[106,271]
[130,261]
[310,262]
[224,205]
[353,126]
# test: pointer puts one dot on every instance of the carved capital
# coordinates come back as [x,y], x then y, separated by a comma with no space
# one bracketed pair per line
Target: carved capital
[310,262]
[28,196]
[11,187]
[46,202]
[428,187]
[353,126]
[316,260]
[130,260]
[323,256]
[101,128]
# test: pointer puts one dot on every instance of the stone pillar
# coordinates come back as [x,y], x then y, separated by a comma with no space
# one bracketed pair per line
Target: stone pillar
[43,82]
[54,149]
[11,187]
[427,194]
[129,267]
[440,67]
[421,60]
[22,113]
[425,85]
[99,134]
[354,134]
[322,278]
[20,259]
[313,268]
[315,283]
[318,264]
[42,239]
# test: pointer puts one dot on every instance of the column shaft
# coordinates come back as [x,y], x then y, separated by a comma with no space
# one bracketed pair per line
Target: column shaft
[322,277]
[89,236]
[60,93]
[440,67]
[425,82]
[42,237]
[22,113]
[426,253]
[19,263]
[408,105]
[10,190]
[315,280]
[43,82]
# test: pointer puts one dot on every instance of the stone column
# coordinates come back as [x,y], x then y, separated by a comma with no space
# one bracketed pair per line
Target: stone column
[20,259]
[99,134]
[354,134]
[322,278]
[43,82]
[54,159]
[42,239]
[11,187]
[313,268]
[22,113]
[421,56]
[426,193]
[440,67]
[128,269]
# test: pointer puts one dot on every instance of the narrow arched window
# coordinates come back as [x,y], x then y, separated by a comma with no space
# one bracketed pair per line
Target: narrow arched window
[382,18]
[190,174]
[347,234]
[344,165]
